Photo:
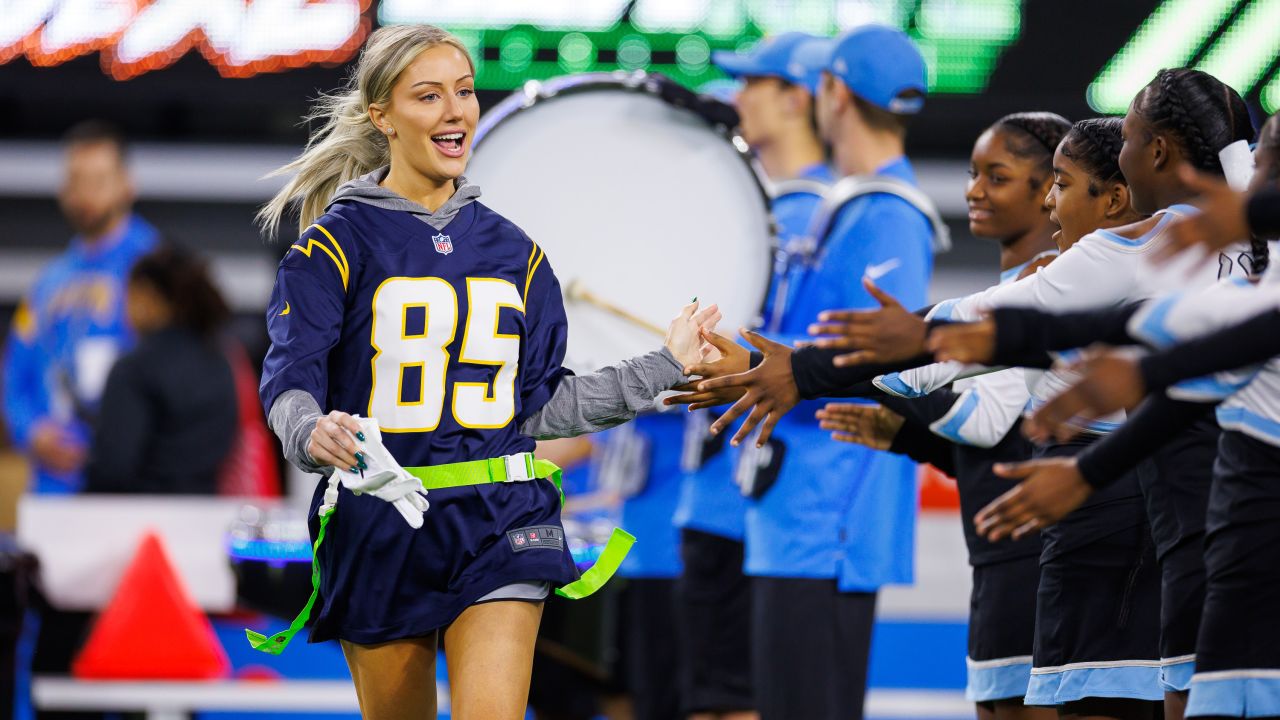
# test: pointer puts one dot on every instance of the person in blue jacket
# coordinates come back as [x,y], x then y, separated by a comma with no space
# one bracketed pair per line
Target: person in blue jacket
[777,120]
[70,326]
[827,525]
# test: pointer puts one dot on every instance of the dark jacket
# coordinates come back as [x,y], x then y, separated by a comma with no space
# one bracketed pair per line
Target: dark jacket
[167,419]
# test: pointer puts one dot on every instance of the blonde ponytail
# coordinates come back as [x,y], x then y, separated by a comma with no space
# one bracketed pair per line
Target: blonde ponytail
[348,145]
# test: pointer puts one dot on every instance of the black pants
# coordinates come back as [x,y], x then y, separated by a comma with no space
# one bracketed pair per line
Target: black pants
[810,646]
[714,618]
[650,648]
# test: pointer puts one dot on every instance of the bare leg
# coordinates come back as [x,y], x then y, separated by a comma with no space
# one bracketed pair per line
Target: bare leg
[1015,710]
[489,650]
[616,707]
[1175,705]
[394,680]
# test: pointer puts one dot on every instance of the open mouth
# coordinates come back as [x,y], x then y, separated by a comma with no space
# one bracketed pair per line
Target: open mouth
[450,143]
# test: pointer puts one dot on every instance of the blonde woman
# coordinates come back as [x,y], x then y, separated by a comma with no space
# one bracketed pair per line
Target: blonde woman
[407,301]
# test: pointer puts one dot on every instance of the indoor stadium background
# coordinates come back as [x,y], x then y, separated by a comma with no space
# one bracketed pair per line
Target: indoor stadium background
[211,92]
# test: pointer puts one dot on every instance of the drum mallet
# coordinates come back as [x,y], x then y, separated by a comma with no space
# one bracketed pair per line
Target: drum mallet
[577,292]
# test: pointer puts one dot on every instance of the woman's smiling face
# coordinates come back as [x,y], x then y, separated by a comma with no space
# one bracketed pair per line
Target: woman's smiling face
[433,112]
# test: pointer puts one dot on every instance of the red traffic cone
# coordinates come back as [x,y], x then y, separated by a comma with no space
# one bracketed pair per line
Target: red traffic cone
[151,629]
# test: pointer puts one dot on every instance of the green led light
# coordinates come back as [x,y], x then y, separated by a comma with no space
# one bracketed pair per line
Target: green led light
[724,20]
[633,53]
[516,51]
[1169,38]
[1247,48]
[961,39]
[576,52]
[474,42]
[1271,95]
[989,21]
[692,54]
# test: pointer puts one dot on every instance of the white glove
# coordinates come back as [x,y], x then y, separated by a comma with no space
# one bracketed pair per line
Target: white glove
[384,478]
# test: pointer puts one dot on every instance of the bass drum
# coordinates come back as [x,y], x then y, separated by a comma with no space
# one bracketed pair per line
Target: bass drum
[641,197]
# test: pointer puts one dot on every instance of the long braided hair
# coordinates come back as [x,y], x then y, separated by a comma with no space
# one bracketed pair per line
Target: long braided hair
[1034,135]
[1094,145]
[1200,111]
[1204,115]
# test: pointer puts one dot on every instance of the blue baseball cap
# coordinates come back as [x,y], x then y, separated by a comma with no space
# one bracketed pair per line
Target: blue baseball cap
[808,60]
[771,57]
[879,64]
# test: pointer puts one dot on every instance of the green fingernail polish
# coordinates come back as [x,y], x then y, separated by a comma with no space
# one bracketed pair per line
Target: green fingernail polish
[360,457]
[695,299]
[360,436]
[355,469]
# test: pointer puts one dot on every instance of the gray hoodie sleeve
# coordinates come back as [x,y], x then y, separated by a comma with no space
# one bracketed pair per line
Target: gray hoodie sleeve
[293,416]
[581,404]
[610,396]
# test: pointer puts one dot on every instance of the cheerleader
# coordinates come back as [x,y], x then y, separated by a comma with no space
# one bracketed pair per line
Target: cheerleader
[1010,175]
[407,301]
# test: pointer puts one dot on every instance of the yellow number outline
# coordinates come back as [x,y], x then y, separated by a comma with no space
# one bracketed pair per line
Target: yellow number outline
[422,384]
[404,321]
[488,397]
[377,351]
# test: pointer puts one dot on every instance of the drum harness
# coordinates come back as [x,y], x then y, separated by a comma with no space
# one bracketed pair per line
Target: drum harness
[803,254]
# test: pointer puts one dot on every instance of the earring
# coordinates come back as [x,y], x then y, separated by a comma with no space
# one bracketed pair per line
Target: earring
[390,132]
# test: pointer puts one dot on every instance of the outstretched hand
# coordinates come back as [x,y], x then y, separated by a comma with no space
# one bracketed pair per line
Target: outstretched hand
[768,390]
[872,425]
[878,336]
[971,342]
[1050,489]
[1221,221]
[1110,381]
[724,358]
[683,339]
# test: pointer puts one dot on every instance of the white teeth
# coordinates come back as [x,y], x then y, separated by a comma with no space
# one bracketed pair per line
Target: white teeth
[450,136]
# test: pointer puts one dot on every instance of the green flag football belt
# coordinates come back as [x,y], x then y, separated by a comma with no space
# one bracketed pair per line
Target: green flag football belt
[521,467]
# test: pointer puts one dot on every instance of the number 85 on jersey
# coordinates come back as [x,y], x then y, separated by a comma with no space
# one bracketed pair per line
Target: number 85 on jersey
[415,320]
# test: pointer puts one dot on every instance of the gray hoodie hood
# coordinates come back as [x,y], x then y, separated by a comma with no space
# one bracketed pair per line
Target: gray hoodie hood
[366,189]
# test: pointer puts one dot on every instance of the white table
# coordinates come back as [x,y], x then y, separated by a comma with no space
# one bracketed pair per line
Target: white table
[175,700]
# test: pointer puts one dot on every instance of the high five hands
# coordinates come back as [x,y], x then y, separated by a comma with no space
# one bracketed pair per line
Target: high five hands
[767,391]
[876,336]
[684,334]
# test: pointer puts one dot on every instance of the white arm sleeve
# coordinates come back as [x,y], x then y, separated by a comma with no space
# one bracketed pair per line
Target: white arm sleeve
[986,410]
[1182,316]
[1095,272]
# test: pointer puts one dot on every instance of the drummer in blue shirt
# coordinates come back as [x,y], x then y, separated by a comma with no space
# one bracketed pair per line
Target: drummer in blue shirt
[829,526]
[776,108]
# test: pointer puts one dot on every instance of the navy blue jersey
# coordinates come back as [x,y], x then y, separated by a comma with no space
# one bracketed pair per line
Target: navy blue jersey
[450,339]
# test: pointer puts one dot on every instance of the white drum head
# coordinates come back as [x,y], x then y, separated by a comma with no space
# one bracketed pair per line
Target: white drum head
[636,203]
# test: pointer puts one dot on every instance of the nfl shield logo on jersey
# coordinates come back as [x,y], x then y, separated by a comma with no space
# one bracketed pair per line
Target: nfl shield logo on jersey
[444,245]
